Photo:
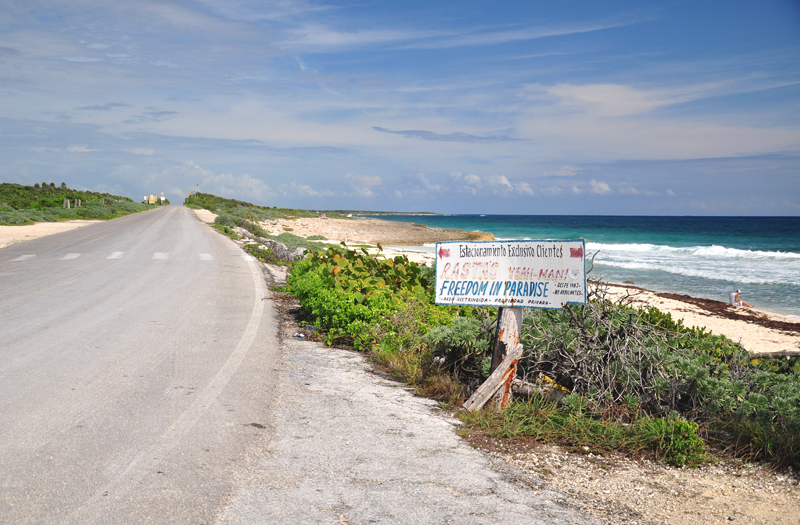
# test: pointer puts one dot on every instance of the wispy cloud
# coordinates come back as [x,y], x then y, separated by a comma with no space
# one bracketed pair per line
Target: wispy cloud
[103,107]
[503,36]
[79,149]
[323,38]
[446,137]
[9,51]
[142,151]
[82,59]
[152,115]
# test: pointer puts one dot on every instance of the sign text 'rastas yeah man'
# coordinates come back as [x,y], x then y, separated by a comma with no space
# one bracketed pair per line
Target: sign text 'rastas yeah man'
[532,274]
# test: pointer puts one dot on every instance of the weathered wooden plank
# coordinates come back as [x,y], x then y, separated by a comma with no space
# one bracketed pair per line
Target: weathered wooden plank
[509,325]
[502,377]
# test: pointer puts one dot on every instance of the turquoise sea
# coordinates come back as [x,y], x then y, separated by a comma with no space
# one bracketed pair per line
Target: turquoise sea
[699,256]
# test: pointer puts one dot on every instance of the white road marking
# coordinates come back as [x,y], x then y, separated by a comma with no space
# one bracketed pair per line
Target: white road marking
[23,258]
[116,255]
[70,256]
[162,256]
[206,257]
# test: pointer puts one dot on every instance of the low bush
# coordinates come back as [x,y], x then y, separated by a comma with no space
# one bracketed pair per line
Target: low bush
[668,438]
[89,210]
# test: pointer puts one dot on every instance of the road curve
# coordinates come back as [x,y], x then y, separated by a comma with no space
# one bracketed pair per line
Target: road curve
[137,364]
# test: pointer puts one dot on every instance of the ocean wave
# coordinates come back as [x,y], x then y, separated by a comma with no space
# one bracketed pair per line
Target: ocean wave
[716,273]
[713,251]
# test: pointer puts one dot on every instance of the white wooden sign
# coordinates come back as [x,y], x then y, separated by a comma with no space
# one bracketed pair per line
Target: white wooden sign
[526,274]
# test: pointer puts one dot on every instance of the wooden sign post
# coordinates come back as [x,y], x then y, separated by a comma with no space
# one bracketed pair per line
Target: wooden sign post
[511,275]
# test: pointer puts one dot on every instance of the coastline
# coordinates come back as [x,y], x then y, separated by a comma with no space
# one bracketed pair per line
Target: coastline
[756,330]
[368,230]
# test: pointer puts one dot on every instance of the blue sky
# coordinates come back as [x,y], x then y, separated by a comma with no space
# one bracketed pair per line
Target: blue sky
[663,108]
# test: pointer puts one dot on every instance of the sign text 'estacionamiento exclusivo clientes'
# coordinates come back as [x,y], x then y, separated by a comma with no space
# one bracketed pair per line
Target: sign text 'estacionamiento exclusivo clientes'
[532,274]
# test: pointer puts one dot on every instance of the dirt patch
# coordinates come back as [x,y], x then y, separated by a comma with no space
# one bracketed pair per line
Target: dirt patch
[617,489]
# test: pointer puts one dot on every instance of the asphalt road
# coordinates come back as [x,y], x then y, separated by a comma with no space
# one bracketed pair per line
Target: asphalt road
[137,366]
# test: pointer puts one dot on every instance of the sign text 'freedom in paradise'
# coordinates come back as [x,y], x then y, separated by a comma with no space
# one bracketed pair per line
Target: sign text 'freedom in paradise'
[528,274]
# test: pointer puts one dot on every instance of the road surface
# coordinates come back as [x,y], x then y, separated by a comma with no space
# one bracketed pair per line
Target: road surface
[136,370]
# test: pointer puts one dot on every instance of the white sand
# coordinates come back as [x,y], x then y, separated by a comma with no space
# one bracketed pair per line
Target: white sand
[753,337]
[205,216]
[14,234]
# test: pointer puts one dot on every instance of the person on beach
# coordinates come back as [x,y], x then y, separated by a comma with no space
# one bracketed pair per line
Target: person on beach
[736,301]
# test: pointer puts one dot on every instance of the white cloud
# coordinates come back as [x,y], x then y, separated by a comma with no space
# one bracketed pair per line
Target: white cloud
[599,187]
[191,175]
[244,184]
[362,183]
[82,59]
[565,171]
[523,188]
[500,185]
[671,193]
[416,183]
[141,151]
[576,190]
[469,183]
[552,190]
[321,38]
[607,99]
[496,184]
[300,190]
[365,180]
[79,149]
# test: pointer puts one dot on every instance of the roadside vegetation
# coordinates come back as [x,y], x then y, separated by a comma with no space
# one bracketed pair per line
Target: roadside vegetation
[634,381]
[43,203]
[233,214]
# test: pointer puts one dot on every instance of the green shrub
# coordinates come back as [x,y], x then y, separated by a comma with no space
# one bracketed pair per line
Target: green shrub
[674,440]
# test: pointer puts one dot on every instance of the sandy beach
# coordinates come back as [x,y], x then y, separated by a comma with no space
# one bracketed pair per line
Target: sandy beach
[27,232]
[370,231]
[755,330]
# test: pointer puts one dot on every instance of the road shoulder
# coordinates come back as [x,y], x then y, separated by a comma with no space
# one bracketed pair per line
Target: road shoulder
[353,447]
